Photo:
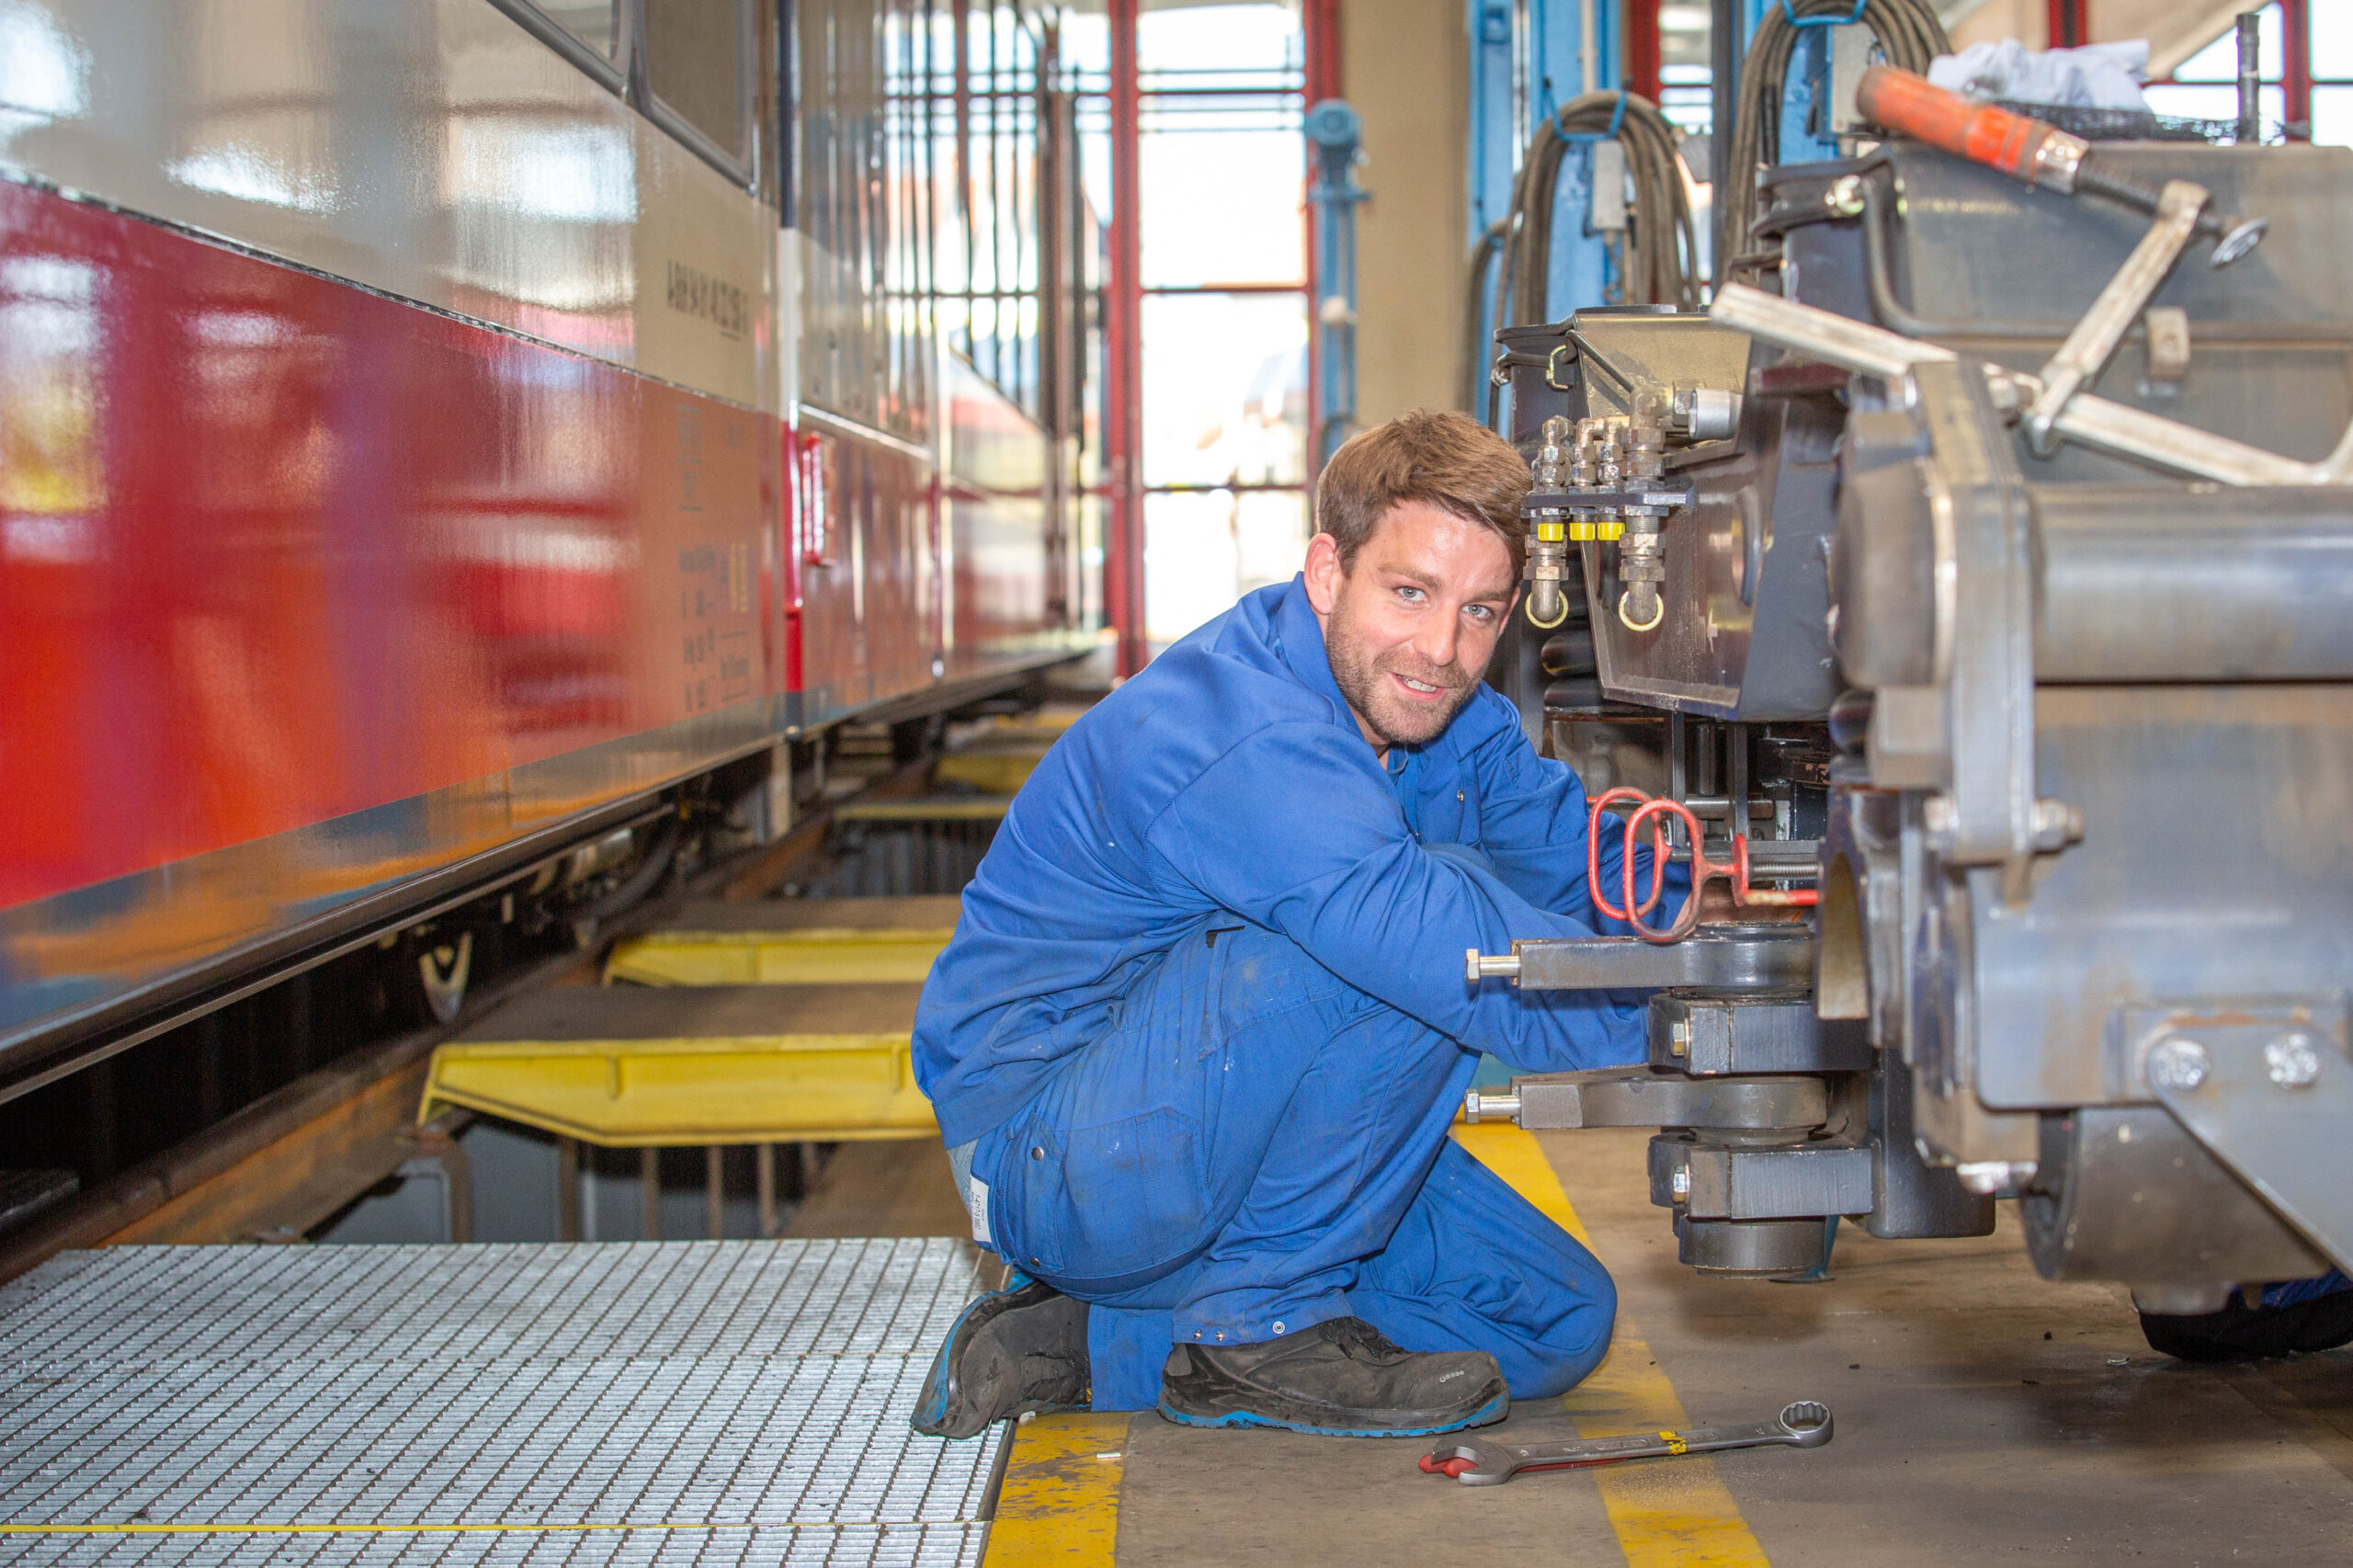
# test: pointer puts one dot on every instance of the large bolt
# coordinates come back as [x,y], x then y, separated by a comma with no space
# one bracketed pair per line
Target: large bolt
[1986,1177]
[2178,1064]
[2294,1060]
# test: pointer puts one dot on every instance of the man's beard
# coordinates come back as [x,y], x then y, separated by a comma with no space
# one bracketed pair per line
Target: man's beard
[1363,678]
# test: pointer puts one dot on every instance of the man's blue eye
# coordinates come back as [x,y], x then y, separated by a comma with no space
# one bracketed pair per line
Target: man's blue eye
[1479,612]
[1414,594]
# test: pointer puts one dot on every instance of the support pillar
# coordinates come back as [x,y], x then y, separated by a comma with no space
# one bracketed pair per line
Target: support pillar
[1123,348]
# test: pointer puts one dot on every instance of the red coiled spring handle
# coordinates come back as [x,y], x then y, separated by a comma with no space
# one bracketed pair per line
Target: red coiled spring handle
[1593,856]
[1703,870]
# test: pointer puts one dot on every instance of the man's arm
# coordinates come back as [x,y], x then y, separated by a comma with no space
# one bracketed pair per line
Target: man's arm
[1532,818]
[1297,830]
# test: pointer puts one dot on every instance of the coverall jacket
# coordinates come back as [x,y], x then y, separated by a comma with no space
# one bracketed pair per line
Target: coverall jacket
[1204,1023]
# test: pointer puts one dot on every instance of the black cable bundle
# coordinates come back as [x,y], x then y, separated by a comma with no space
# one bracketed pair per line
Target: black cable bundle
[1658,260]
[1909,34]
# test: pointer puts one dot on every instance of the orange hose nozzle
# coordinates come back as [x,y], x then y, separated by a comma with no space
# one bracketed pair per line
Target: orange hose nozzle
[2024,149]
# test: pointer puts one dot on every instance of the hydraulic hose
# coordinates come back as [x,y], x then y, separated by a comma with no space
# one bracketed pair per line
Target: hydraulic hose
[1658,265]
[1909,35]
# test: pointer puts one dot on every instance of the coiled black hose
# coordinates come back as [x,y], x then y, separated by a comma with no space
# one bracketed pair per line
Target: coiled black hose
[1657,266]
[1659,260]
[1910,36]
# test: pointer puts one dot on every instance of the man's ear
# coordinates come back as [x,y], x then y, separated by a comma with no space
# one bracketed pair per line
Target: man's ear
[1325,573]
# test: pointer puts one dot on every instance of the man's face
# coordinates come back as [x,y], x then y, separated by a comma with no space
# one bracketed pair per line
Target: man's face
[1411,626]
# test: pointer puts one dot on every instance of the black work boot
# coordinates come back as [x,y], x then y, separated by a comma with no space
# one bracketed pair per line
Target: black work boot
[1016,1350]
[1342,1379]
[2241,1332]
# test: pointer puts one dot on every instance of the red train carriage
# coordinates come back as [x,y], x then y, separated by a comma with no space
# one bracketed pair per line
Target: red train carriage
[428,428]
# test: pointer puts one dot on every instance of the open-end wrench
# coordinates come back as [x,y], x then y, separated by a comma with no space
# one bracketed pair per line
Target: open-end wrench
[1476,1463]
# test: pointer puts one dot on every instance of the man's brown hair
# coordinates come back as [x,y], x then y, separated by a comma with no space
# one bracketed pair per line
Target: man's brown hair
[1444,458]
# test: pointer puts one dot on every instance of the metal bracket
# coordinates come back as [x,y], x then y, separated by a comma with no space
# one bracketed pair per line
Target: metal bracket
[1716,1182]
[1715,1036]
[1777,957]
[2087,420]
[1636,1097]
[2271,1097]
[1990,815]
[2093,342]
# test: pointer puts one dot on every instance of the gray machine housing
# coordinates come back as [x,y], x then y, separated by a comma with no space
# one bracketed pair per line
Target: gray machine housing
[2086,876]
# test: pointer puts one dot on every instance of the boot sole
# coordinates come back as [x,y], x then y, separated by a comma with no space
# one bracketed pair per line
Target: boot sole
[954,1395]
[1492,1410]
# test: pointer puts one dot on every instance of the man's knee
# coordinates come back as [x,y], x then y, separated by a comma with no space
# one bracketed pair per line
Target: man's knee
[1577,1343]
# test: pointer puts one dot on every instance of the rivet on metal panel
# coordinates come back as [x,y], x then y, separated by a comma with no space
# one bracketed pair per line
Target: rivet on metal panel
[2291,1059]
[2179,1063]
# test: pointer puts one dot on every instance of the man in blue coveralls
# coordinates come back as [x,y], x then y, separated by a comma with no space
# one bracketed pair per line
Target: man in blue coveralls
[1196,1041]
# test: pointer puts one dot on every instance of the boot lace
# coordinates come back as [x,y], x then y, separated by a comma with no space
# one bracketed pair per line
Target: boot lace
[1360,1341]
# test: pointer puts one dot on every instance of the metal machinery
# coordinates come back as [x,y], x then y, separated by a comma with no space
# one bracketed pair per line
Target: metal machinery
[1980,562]
[455,448]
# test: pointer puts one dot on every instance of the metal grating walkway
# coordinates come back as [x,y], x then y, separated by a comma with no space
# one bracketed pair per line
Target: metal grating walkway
[656,1404]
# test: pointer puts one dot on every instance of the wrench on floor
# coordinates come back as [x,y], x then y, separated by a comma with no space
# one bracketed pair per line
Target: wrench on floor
[1475,1462]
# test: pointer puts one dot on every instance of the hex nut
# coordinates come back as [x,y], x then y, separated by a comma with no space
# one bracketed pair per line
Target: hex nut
[2293,1060]
[2179,1063]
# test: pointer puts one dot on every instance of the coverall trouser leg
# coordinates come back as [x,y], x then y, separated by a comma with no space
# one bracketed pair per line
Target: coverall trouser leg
[1257,1146]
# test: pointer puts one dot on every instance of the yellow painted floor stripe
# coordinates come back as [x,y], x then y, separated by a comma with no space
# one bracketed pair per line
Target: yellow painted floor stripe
[1667,1514]
[1060,1502]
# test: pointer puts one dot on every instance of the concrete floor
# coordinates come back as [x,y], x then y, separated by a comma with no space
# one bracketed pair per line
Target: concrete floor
[1984,1415]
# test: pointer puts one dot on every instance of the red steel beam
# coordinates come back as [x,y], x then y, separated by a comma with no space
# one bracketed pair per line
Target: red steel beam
[1642,48]
[2069,23]
[1123,348]
[2296,35]
[1320,20]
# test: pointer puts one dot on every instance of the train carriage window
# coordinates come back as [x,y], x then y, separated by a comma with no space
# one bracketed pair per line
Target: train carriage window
[593,22]
[697,57]
[591,34]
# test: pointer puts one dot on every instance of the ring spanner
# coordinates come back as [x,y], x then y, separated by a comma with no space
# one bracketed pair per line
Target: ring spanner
[1475,1462]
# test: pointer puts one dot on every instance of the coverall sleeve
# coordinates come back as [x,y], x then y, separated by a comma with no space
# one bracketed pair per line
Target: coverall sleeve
[1296,830]
[1533,817]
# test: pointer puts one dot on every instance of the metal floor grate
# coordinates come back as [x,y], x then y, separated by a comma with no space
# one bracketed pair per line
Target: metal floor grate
[750,1396]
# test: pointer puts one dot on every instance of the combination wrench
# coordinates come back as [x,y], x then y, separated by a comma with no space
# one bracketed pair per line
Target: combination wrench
[1477,1463]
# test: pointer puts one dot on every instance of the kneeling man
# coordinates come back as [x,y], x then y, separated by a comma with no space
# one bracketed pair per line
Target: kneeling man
[1198,1036]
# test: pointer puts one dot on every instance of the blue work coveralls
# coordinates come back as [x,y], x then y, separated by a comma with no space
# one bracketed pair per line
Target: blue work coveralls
[1204,1023]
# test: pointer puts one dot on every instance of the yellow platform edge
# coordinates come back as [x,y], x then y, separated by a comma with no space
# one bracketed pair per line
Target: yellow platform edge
[672,1093]
[823,956]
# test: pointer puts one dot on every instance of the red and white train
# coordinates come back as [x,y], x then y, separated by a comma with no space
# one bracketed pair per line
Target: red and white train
[430,429]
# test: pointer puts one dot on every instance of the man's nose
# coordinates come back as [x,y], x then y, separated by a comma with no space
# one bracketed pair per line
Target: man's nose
[1437,641]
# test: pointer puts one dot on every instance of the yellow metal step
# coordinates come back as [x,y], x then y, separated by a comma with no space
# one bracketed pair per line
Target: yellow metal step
[790,942]
[998,772]
[629,1067]
[1000,758]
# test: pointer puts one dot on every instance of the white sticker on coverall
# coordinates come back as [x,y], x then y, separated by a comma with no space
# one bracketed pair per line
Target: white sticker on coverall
[977,1202]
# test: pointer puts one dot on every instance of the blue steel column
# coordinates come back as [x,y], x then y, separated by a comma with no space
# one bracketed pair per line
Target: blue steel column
[1334,132]
[1527,58]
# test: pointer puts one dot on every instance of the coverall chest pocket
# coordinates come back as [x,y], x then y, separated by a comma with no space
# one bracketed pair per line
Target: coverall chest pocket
[1113,1198]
